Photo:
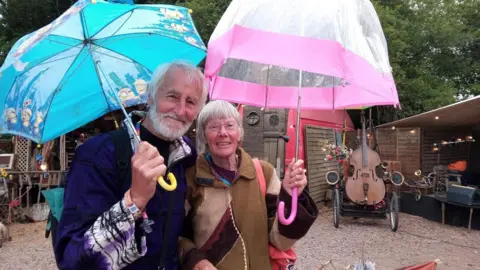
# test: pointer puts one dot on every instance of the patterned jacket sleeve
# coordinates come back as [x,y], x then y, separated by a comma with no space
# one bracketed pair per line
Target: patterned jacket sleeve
[281,236]
[96,231]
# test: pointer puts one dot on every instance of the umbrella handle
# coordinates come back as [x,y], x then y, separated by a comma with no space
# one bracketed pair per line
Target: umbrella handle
[293,213]
[168,187]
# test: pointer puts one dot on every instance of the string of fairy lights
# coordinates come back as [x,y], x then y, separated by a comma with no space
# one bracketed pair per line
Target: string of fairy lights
[452,142]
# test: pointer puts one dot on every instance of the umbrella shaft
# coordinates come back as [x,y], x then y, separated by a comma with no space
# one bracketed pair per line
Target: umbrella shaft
[128,120]
[120,104]
[297,135]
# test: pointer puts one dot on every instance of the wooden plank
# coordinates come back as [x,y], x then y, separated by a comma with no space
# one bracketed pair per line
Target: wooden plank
[316,165]
[402,144]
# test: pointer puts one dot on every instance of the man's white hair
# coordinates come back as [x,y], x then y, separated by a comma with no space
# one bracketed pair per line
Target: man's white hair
[194,76]
[162,75]
[216,109]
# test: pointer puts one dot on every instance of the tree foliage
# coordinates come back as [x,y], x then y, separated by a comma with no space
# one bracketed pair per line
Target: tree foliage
[434,45]
[432,50]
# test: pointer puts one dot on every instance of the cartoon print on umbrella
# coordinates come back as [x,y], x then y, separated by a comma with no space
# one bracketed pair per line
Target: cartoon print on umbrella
[61,73]
[76,70]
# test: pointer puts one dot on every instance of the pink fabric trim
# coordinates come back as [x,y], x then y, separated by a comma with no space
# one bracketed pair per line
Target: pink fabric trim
[307,54]
[286,97]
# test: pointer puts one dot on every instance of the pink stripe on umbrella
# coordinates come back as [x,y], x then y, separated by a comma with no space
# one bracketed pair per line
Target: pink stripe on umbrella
[317,56]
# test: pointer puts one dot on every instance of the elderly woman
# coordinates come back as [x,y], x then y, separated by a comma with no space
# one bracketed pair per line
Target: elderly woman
[230,223]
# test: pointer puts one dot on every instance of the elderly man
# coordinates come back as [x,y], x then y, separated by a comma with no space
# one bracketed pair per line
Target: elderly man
[110,223]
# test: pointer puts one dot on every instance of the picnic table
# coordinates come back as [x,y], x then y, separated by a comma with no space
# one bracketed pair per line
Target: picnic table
[443,199]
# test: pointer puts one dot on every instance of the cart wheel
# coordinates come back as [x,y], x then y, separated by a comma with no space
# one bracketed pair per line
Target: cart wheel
[393,208]
[336,207]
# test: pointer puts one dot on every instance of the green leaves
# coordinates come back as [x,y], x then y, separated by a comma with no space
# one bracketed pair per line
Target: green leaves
[434,45]
[206,14]
[431,48]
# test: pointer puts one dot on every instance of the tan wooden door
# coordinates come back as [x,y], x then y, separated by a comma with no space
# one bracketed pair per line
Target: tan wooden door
[316,165]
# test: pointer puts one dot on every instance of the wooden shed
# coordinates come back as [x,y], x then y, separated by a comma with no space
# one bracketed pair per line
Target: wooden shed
[437,137]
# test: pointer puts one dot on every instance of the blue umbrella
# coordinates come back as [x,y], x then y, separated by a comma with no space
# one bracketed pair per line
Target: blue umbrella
[93,59]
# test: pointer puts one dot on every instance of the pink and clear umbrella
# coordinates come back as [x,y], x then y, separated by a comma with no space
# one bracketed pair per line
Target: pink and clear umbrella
[308,54]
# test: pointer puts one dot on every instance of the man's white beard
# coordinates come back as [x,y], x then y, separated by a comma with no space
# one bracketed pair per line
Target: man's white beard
[158,122]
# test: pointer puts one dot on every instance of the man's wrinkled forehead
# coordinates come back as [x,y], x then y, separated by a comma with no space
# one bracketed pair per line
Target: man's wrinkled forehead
[176,78]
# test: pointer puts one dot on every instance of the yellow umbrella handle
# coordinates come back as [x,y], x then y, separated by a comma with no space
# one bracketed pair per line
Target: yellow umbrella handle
[168,187]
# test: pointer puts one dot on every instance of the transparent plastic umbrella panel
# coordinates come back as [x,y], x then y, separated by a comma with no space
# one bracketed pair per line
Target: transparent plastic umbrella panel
[261,47]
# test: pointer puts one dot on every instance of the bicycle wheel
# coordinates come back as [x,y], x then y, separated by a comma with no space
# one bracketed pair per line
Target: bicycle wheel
[394,206]
[336,207]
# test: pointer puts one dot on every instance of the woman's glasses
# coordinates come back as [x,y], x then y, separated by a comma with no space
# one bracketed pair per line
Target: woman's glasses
[217,127]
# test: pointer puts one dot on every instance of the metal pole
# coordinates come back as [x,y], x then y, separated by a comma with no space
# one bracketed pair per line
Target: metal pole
[297,134]
[128,120]
[130,126]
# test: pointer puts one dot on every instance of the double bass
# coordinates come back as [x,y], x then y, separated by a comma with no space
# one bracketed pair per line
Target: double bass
[364,185]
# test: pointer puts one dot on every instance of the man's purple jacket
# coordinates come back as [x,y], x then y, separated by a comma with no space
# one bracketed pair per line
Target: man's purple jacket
[96,231]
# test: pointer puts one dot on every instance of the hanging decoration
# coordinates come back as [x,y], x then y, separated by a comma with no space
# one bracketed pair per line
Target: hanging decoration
[38,157]
[335,152]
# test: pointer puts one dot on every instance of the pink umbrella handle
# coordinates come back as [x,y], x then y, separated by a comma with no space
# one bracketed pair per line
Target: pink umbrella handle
[293,213]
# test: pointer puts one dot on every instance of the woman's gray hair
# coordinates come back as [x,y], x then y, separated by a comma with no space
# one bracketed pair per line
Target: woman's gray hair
[163,72]
[216,109]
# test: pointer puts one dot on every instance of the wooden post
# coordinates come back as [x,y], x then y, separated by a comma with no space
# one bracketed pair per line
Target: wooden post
[396,143]
[63,156]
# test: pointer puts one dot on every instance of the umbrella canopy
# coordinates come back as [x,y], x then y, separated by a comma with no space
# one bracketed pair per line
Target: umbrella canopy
[76,69]
[314,54]
[259,47]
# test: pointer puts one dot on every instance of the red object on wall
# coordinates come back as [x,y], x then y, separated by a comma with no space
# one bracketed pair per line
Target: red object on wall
[321,118]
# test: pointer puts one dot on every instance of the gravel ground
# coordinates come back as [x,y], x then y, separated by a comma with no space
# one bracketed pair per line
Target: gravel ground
[417,241]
